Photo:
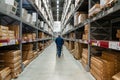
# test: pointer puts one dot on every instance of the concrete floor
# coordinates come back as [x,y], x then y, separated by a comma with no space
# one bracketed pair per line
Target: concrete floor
[49,67]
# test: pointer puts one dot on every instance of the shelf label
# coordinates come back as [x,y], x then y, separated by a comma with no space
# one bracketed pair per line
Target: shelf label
[114,45]
[11,42]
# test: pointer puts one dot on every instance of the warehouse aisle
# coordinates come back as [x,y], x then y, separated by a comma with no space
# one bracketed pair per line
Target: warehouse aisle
[48,67]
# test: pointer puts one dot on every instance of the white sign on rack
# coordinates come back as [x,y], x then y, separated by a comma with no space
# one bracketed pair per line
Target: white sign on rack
[114,45]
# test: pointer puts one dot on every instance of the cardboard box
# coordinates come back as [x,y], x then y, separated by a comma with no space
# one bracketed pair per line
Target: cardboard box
[26,62]
[34,36]
[16,73]
[86,27]
[27,47]
[12,53]
[85,37]
[113,57]
[78,50]
[94,10]
[102,68]
[16,30]
[13,65]
[29,36]
[27,55]
[3,27]
[4,72]
[11,60]
[8,77]
[82,17]
[103,3]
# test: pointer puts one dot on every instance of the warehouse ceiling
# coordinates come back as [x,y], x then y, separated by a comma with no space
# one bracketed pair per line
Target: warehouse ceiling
[57,9]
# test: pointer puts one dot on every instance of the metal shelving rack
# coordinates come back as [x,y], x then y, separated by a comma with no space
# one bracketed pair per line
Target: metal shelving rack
[8,19]
[104,21]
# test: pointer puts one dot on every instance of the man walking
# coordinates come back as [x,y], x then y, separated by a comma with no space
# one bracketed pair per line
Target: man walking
[59,43]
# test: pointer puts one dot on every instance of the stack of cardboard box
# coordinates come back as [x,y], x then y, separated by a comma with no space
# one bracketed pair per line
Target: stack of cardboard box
[78,50]
[27,52]
[71,47]
[40,46]
[84,60]
[102,69]
[11,34]
[94,10]
[41,35]
[3,32]
[82,17]
[29,36]
[15,28]
[5,73]
[79,17]
[11,59]
[85,35]
[113,57]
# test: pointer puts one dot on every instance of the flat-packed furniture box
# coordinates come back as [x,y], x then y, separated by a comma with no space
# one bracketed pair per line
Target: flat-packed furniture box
[11,59]
[82,17]
[94,10]
[84,60]
[27,52]
[8,77]
[102,69]
[114,57]
[16,30]
[4,32]
[27,55]
[41,35]
[5,73]
[78,50]
[85,35]
[27,47]
[11,34]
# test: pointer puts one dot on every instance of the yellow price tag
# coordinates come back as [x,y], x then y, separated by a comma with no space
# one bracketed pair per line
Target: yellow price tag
[0,44]
[92,44]
[16,41]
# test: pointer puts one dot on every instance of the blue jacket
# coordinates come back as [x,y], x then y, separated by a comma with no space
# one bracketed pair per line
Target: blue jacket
[59,41]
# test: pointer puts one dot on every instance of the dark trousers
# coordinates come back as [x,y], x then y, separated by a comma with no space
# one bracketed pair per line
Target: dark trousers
[59,49]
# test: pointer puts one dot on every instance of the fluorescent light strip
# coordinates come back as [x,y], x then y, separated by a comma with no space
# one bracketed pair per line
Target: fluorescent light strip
[57,1]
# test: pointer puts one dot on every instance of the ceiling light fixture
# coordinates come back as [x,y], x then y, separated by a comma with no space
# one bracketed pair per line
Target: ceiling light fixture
[57,6]
[57,1]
